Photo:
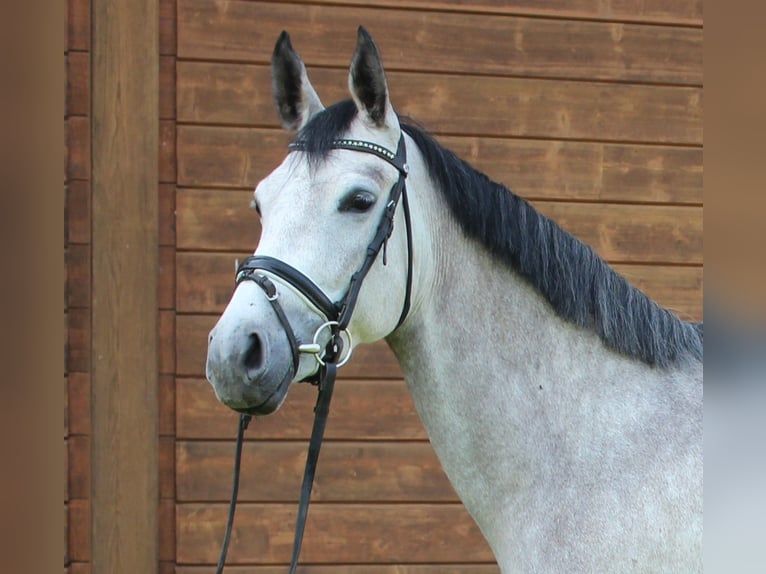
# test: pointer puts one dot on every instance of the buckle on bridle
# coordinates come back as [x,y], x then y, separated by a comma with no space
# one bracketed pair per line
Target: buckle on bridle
[342,335]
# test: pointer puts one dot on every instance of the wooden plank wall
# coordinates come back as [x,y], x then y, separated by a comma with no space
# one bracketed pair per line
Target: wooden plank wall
[591,109]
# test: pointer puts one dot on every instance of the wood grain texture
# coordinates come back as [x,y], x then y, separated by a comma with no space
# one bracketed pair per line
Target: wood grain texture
[424,41]
[166,530]
[167,87]
[166,277]
[167,151]
[210,156]
[631,233]
[77,214]
[370,361]
[335,533]
[168,23]
[167,470]
[684,12]
[78,530]
[220,220]
[79,467]
[462,568]
[78,24]
[239,94]
[124,176]
[77,261]
[166,328]
[78,84]
[77,130]
[362,410]
[348,472]
[78,340]
[167,405]
[167,214]
[78,401]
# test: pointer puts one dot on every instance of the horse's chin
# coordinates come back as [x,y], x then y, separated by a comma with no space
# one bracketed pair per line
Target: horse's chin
[260,407]
[270,405]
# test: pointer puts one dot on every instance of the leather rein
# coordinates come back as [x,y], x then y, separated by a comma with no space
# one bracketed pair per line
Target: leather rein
[257,268]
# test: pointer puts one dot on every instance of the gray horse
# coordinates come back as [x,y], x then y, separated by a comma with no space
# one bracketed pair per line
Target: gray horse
[564,405]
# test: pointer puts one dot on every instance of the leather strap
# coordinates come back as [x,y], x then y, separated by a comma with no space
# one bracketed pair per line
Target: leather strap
[244,420]
[293,277]
[321,412]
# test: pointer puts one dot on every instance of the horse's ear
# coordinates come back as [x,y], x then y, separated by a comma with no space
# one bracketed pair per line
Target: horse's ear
[294,95]
[367,82]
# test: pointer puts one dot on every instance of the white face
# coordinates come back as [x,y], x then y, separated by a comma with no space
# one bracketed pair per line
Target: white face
[319,219]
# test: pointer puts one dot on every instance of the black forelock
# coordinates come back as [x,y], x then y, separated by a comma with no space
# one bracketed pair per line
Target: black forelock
[326,126]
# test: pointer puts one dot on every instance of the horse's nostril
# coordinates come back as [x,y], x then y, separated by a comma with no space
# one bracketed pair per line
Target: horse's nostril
[254,355]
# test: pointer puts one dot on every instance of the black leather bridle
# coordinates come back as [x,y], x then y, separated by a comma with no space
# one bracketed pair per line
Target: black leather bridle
[337,314]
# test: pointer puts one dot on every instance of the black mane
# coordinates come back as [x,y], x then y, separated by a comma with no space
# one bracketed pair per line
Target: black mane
[579,285]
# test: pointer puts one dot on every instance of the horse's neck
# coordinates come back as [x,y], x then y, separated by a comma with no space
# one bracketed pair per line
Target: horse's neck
[505,388]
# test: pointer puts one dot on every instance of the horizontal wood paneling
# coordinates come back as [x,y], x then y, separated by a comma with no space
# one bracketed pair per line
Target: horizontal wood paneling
[354,569]
[379,410]
[240,94]
[541,169]
[516,46]
[686,12]
[348,472]
[629,233]
[220,220]
[205,283]
[335,533]
[370,361]
[216,219]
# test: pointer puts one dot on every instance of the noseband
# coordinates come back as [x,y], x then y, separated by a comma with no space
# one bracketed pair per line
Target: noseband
[337,315]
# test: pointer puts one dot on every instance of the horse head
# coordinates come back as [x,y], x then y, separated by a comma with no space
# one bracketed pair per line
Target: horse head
[326,213]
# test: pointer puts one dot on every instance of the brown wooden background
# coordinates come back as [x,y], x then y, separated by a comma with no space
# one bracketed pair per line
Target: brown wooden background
[592,109]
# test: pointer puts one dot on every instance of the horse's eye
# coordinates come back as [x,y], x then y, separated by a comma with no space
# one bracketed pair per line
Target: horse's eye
[357,201]
[254,205]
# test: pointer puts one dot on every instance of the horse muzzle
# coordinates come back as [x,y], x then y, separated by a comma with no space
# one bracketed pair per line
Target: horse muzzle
[249,362]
